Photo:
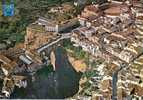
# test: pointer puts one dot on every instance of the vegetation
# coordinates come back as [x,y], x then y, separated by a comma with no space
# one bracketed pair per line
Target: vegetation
[89,85]
[26,11]
[45,71]
[94,1]
[141,1]
[89,74]
[78,53]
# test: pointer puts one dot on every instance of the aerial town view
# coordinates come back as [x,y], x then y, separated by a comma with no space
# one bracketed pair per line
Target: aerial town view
[71,49]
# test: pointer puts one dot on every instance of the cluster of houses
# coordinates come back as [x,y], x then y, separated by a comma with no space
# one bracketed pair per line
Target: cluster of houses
[16,64]
[114,31]
[8,72]
[26,59]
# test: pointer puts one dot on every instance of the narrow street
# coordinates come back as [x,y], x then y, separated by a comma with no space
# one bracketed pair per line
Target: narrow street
[114,84]
[115,78]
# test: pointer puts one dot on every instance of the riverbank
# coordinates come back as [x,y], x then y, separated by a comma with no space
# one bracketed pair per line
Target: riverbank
[60,84]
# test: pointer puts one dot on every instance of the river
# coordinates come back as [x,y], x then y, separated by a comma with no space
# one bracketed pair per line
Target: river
[62,83]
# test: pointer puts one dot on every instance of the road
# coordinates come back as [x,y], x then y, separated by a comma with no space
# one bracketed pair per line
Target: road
[115,77]
[114,84]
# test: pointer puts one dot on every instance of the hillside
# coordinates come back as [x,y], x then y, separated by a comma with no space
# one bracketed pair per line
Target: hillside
[26,11]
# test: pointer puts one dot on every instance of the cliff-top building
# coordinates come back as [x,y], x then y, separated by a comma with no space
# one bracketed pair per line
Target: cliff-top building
[115,34]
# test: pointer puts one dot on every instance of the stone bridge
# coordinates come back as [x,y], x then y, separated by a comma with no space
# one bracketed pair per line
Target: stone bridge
[48,47]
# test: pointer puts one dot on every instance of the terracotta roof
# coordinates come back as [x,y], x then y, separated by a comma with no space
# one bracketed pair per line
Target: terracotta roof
[115,38]
[83,17]
[4,59]
[91,8]
[115,9]
[106,84]
[91,18]
[139,90]
[140,17]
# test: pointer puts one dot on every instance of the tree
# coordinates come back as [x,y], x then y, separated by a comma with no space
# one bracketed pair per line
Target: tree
[141,1]
[100,2]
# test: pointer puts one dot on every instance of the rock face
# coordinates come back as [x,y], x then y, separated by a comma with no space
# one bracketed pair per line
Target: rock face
[53,59]
[79,65]
[37,36]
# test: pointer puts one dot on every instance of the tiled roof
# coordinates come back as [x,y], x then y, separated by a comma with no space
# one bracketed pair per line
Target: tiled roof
[115,10]
[92,8]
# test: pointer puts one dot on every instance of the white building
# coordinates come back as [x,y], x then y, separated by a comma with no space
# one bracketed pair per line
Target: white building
[54,26]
